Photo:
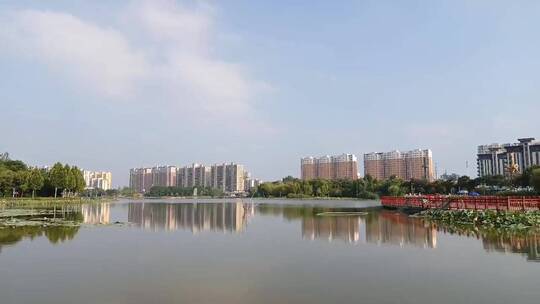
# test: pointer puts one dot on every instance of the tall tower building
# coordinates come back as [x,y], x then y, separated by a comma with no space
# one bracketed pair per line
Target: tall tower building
[344,166]
[227,177]
[308,168]
[415,164]
[234,181]
[97,179]
[142,179]
[195,175]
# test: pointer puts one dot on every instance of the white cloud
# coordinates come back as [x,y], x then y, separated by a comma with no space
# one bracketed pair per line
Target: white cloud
[170,23]
[155,47]
[99,58]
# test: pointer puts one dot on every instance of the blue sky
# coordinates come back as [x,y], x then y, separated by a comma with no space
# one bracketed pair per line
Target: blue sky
[113,85]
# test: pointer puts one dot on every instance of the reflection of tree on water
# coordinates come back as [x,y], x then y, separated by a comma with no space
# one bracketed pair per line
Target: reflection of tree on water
[345,228]
[231,217]
[525,242]
[62,228]
[55,235]
[379,227]
[398,228]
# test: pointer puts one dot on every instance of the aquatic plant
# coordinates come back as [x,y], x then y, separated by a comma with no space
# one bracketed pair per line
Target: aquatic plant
[485,218]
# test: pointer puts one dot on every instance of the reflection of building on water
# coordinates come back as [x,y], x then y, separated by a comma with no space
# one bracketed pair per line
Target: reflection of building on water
[399,229]
[231,217]
[528,244]
[346,228]
[96,213]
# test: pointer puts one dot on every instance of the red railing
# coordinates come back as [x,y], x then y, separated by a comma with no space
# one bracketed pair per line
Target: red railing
[510,203]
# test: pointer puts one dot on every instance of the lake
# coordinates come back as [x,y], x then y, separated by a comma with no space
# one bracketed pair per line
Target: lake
[262,251]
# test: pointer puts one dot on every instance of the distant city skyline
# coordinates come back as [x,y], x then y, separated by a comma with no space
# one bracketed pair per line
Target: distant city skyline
[114,85]
[228,177]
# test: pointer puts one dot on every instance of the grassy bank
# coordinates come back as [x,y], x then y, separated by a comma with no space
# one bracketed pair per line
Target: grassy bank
[43,212]
[48,201]
[488,219]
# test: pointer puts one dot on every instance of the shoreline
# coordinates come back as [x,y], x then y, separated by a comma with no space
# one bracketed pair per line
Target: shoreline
[260,198]
[52,201]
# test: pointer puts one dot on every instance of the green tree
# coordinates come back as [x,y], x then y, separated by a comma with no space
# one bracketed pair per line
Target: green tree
[21,181]
[535,179]
[322,187]
[7,178]
[13,165]
[524,180]
[463,183]
[307,189]
[71,179]
[80,183]
[289,179]
[57,176]
[394,190]
[392,186]
[371,184]
[35,180]
[127,191]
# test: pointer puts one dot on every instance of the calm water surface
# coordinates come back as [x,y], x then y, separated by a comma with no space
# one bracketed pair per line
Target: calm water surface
[262,251]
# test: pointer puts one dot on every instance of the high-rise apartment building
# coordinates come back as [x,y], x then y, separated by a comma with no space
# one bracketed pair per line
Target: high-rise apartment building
[415,164]
[344,166]
[508,159]
[229,177]
[97,179]
[195,175]
[142,179]
[308,168]
[234,181]
[217,176]
[164,176]
[250,183]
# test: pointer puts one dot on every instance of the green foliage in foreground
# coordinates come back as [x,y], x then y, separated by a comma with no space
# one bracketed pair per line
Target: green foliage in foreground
[486,218]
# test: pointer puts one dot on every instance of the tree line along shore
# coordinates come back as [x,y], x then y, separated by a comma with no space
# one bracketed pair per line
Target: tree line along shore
[20,180]
[525,184]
